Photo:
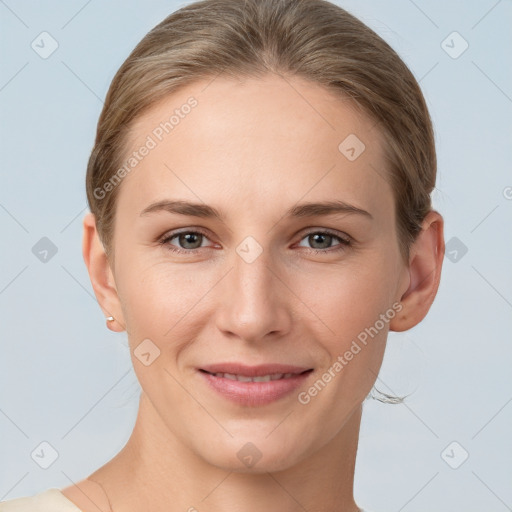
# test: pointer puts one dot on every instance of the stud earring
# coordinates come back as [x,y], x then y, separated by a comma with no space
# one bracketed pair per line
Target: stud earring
[110,318]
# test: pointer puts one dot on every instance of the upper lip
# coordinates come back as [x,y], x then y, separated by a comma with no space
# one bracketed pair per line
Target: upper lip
[253,371]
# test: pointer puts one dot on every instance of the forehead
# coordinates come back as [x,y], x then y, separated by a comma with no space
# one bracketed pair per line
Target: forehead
[269,139]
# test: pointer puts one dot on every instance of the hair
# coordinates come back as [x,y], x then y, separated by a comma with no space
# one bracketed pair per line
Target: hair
[310,39]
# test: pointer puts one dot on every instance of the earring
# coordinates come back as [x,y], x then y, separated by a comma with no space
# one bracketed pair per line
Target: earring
[110,318]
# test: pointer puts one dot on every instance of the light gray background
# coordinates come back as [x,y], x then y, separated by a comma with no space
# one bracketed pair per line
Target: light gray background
[67,380]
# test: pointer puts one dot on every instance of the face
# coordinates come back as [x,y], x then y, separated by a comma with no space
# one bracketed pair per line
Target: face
[251,273]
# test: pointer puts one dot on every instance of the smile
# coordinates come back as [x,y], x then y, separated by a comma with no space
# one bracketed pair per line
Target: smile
[255,390]
[262,378]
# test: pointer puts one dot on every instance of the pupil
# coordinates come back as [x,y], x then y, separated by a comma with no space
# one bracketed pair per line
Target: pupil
[189,238]
[321,236]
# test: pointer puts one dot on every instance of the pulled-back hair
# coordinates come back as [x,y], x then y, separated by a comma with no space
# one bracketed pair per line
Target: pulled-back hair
[312,39]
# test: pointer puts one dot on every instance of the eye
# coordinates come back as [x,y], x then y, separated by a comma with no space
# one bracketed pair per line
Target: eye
[189,241]
[324,239]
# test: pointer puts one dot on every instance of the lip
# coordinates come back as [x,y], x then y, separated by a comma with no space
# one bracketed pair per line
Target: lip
[252,394]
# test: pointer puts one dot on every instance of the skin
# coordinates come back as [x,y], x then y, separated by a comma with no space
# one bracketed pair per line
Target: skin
[252,148]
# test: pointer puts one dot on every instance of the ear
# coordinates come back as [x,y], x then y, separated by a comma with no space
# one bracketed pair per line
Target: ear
[425,262]
[101,275]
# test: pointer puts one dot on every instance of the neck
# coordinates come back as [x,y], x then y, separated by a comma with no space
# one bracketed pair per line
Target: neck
[154,471]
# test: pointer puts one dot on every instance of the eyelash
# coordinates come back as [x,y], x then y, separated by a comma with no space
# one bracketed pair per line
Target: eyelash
[344,242]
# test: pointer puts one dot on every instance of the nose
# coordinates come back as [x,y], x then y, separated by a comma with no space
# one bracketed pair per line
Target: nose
[255,302]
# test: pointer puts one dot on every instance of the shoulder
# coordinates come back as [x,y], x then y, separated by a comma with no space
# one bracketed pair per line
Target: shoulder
[51,500]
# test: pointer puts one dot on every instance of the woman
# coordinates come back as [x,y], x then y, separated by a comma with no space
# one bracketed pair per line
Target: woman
[260,220]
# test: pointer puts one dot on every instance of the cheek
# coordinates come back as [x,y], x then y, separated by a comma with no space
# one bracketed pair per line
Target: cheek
[160,298]
[347,306]
[346,300]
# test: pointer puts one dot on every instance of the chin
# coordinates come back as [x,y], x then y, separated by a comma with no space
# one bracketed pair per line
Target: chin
[256,456]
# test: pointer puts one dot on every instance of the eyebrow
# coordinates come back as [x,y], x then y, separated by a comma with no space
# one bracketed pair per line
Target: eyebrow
[302,210]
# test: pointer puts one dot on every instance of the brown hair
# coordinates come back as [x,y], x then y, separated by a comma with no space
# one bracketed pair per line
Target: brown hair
[311,39]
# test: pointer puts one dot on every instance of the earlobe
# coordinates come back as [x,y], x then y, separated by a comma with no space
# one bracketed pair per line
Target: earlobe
[101,275]
[425,265]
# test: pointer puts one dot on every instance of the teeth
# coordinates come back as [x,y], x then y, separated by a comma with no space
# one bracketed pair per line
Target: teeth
[262,378]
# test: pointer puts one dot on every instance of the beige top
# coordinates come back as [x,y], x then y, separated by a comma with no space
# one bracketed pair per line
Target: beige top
[51,500]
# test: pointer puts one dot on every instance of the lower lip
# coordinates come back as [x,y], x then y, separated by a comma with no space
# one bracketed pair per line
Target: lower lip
[254,393]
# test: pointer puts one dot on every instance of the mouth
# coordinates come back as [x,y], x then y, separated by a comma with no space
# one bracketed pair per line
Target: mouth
[261,378]
[256,385]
